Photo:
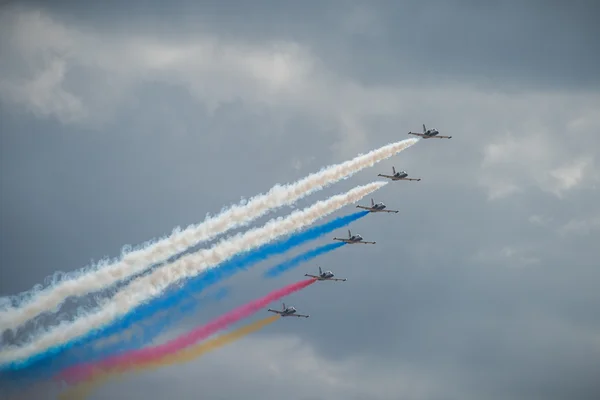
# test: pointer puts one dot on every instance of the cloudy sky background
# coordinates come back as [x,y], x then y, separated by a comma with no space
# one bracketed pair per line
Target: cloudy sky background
[119,122]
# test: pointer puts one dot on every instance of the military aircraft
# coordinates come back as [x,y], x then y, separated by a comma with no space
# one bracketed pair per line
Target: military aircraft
[325,276]
[399,176]
[379,207]
[353,239]
[287,312]
[430,133]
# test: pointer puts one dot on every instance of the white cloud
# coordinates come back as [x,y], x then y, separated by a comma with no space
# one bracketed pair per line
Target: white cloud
[580,226]
[498,188]
[44,94]
[534,157]
[540,220]
[282,75]
[570,175]
[509,256]
[214,70]
[518,258]
[33,31]
[586,125]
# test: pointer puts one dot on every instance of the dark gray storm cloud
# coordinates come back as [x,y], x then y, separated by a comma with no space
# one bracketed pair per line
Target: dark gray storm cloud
[483,286]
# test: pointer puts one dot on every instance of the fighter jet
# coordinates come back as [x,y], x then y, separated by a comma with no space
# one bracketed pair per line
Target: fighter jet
[287,312]
[325,276]
[379,207]
[353,239]
[430,133]
[399,176]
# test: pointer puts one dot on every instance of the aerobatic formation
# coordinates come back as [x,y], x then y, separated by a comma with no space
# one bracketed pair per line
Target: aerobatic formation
[75,351]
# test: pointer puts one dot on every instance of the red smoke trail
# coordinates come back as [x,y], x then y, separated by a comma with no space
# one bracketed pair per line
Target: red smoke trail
[85,371]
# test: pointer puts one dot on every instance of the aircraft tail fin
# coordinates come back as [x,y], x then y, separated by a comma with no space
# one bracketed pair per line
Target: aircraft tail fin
[424,129]
[372,202]
[349,234]
[394,170]
[320,271]
[283,304]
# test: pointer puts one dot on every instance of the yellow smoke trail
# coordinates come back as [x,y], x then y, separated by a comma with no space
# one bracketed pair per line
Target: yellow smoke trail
[81,391]
[189,354]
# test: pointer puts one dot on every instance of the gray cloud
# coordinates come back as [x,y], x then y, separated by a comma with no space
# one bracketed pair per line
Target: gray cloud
[509,46]
[482,286]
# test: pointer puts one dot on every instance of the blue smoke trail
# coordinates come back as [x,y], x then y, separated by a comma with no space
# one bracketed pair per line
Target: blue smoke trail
[299,259]
[152,329]
[192,286]
[136,337]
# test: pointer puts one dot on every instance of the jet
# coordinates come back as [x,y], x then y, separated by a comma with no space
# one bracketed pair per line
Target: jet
[325,276]
[379,207]
[430,133]
[287,312]
[353,239]
[399,176]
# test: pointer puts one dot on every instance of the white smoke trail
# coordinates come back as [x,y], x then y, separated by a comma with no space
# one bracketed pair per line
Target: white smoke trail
[190,265]
[96,278]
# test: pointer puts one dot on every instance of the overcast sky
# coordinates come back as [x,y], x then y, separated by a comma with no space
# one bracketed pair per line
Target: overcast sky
[120,122]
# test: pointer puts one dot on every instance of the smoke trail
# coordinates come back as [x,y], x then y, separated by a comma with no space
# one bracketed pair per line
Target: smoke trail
[152,285]
[144,332]
[150,354]
[214,275]
[83,389]
[173,298]
[94,278]
[188,354]
[307,256]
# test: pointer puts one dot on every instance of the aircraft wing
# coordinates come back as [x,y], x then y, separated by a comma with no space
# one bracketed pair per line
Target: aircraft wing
[341,240]
[386,176]
[275,311]
[337,279]
[390,211]
[442,137]
[417,134]
[363,242]
[363,207]
[312,276]
[410,179]
[298,315]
